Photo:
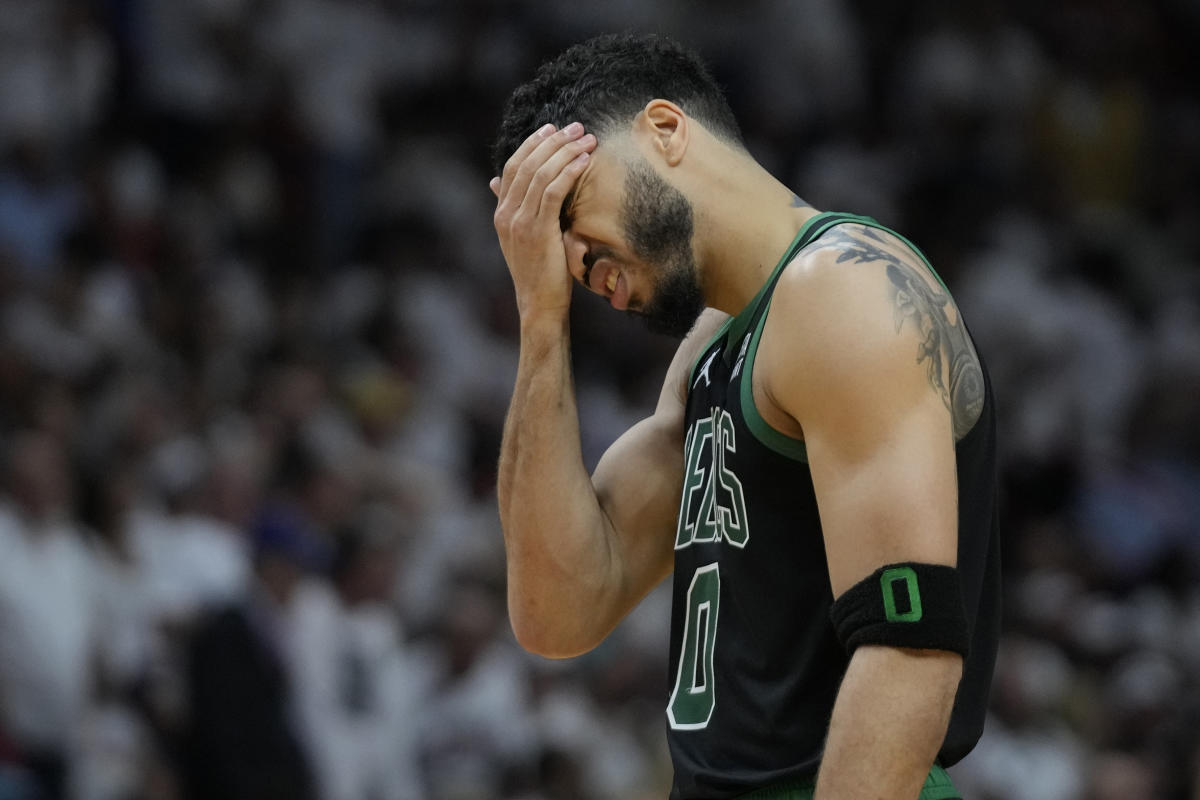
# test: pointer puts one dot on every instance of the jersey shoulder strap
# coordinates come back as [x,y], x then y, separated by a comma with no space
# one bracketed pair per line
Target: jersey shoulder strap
[735,327]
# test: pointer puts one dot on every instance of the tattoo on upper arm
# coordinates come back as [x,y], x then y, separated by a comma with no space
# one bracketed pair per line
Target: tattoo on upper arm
[945,349]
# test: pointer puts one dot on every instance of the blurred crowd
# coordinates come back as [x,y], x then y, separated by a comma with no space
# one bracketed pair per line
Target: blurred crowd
[257,342]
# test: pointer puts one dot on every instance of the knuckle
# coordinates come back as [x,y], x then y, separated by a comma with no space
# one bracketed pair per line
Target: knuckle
[523,171]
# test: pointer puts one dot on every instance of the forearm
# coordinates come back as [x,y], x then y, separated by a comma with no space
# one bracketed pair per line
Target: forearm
[557,545]
[888,723]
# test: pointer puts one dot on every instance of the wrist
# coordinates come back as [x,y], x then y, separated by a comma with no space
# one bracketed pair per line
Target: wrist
[545,322]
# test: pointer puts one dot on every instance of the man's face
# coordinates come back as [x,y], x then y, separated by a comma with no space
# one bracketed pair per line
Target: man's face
[634,246]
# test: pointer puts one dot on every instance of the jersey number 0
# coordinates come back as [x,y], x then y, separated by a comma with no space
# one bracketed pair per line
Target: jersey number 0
[694,698]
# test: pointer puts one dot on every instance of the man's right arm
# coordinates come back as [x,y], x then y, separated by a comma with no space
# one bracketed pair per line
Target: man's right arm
[581,550]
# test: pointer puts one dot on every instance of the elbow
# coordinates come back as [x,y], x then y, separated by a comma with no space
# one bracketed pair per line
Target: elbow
[539,644]
[940,671]
[555,614]
[945,667]
[931,674]
[541,638]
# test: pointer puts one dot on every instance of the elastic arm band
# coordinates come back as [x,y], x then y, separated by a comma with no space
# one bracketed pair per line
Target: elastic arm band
[904,605]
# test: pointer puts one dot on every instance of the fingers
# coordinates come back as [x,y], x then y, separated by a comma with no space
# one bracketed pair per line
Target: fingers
[495,183]
[556,190]
[552,180]
[522,152]
[533,154]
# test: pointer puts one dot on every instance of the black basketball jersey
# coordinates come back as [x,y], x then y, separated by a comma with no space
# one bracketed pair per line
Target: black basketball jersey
[755,665]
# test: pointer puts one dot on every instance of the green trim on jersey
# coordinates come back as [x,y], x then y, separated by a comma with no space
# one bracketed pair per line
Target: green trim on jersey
[938,786]
[781,443]
[916,250]
[737,324]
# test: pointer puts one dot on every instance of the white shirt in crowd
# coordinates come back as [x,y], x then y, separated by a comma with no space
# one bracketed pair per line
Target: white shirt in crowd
[47,629]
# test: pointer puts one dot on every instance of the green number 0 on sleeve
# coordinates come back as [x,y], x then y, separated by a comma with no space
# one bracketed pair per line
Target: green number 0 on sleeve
[693,698]
[887,583]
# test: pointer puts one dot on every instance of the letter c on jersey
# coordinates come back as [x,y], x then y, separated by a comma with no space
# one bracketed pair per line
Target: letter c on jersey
[713,506]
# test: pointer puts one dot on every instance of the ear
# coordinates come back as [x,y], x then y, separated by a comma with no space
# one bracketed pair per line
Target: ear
[667,128]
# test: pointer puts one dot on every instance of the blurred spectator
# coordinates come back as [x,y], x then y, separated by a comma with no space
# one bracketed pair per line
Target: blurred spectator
[47,603]
[478,735]
[359,692]
[38,208]
[241,739]
[193,559]
[115,747]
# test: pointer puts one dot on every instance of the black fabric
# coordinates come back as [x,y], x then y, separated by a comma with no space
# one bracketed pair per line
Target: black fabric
[904,605]
[49,771]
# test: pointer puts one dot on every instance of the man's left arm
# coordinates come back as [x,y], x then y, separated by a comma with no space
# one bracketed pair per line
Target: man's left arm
[849,356]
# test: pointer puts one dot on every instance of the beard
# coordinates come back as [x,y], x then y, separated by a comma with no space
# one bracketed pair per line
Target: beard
[659,225]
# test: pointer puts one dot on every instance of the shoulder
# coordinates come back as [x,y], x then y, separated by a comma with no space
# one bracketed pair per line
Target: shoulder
[840,296]
[859,309]
[856,259]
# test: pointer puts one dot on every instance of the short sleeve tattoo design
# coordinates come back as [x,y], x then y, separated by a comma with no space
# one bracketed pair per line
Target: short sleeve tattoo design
[946,351]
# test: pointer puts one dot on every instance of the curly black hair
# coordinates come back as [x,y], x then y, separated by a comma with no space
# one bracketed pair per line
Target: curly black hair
[605,81]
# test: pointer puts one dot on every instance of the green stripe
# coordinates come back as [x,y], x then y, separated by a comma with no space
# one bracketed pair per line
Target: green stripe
[735,326]
[938,786]
[783,444]
[914,248]
[871,222]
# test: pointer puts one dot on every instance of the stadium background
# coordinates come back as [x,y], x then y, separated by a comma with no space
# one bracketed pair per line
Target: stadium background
[257,338]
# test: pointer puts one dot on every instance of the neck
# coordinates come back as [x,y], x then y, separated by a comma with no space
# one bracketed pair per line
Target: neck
[744,224]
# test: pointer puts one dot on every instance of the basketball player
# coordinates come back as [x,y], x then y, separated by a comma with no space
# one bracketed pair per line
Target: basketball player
[819,473]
